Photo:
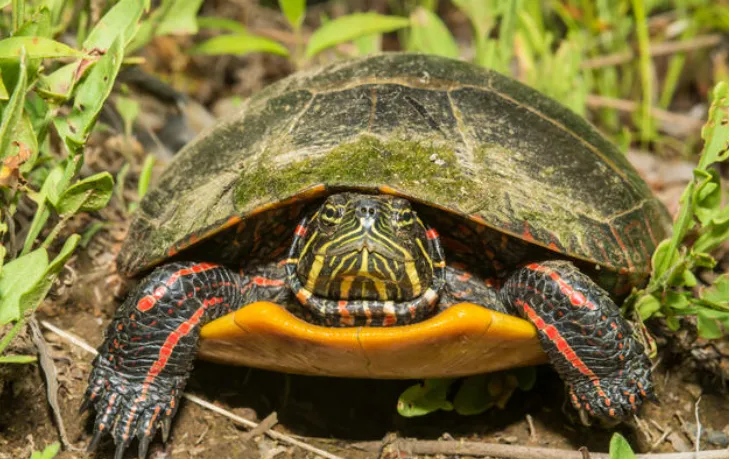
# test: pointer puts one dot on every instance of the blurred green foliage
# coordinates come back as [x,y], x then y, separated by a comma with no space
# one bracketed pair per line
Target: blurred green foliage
[50,89]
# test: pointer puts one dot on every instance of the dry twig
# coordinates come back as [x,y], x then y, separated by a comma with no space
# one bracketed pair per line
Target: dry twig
[197,400]
[49,369]
[468,448]
[623,105]
[659,49]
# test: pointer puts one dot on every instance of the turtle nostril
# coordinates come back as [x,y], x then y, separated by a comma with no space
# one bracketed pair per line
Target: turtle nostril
[371,211]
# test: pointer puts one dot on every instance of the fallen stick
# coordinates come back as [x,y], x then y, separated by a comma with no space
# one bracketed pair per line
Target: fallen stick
[478,449]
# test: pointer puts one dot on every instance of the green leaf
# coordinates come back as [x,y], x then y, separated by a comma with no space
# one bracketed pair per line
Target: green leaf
[239,44]
[4,95]
[39,25]
[19,277]
[428,34]
[32,298]
[12,114]
[213,22]
[48,453]
[647,305]
[663,258]
[129,110]
[181,18]
[716,130]
[422,399]
[718,292]
[620,448]
[87,195]
[59,85]
[122,20]
[350,27]
[145,176]
[90,96]
[707,195]
[35,48]
[18,359]
[370,44]
[707,325]
[294,11]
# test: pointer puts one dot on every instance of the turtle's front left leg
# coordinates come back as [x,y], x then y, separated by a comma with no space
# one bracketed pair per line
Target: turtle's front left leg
[147,356]
[589,343]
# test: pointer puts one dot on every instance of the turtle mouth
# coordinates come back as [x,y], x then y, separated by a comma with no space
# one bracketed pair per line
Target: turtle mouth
[367,244]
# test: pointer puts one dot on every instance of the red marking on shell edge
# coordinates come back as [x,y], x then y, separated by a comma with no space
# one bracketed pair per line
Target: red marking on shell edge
[300,231]
[527,234]
[431,234]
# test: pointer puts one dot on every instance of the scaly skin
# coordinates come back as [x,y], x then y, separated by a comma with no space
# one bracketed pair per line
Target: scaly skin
[147,356]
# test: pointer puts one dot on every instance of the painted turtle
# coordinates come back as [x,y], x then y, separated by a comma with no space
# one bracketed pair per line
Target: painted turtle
[395,216]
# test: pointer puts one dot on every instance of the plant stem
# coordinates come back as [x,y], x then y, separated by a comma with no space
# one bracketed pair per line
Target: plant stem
[11,334]
[646,69]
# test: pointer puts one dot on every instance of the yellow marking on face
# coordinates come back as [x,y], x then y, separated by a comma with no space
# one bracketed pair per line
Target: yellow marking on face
[424,251]
[316,266]
[412,273]
[309,242]
[345,286]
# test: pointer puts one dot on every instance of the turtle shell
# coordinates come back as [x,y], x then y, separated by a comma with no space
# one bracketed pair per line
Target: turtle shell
[441,132]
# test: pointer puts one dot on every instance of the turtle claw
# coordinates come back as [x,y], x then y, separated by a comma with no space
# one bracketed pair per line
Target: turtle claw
[144,442]
[128,408]
[94,442]
[119,453]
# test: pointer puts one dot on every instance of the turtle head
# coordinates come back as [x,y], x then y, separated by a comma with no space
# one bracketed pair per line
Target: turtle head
[364,247]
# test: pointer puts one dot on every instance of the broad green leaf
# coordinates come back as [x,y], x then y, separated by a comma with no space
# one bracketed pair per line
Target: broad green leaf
[121,20]
[676,300]
[18,359]
[428,34]
[12,114]
[90,96]
[87,195]
[213,22]
[663,258]
[48,453]
[718,292]
[647,305]
[421,399]
[181,18]
[347,28]
[294,11]
[19,277]
[59,85]
[707,325]
[239,44]
[620,448]
[370,44]
[33,297]
[35,48]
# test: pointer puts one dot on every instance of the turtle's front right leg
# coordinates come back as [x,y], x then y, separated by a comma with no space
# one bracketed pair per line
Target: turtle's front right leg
[147,356]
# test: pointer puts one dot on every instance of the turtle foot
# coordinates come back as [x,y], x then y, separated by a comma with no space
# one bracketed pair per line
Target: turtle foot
[612,399]
[128,408]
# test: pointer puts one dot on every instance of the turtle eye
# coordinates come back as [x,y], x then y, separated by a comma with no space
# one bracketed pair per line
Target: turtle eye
[330,215]
[406,218]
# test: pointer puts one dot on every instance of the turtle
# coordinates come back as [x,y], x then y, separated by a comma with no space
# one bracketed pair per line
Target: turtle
[392,216]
